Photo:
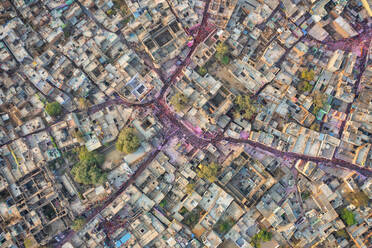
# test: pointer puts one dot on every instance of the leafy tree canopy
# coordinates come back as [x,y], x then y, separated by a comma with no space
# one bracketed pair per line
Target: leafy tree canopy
[88,170]
[244,107]
[208,172]
[83,103]
[342,233]
[78,135]
[304,86]
[193,217]
[190,188]
[221,50]
[30,242]
[128,141]
[202,71]
[53,108]
[315,127]
[262,235]
[178,101]
[225,60]
[223,226]
[305,195]
[78,224]
[358,198]
[319,99]
[163,203]
[307,75]
[348,217]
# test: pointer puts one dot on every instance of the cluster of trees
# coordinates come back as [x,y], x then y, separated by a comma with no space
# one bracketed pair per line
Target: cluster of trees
[306,76]
[306,194]
[87,170]
[178,101]
[315,127]
[30,242]
[304,86]
[53,109]
[111,12]
[223,226]
[183,211]
[221,53]
[244,107]
[319,99]
[208,172]
[128,141]
[83,103]
[342,234]
[261,236]
[358,198]
[121,4]
[348,217]
[190,188]
[192,218]
[163,203]
[202,71]
[78,135]
[67,30]
[78,224]
[71,156]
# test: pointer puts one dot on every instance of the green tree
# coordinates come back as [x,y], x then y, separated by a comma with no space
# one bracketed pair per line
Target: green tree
[266,236]
[208,172]
[342,233]
[358,198]
[78,135]
[307,75]
[223,226]
[315,127]
[183,211]
[83,103]
[30,242]
[67,30]
[87,170]
[110,12]
[78,224]
[80,195]
[53,108]
[306,194]
[244,107]
[348,217]
[163,203]
[319,100]
[304,86]
[178,101]
[262,235]
[202,71]
[128,141]
[221,50]
[190,188]
[193,217]
[225,60]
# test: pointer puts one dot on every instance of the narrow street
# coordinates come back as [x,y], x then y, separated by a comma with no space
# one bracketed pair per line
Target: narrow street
[361,67]
[330,162]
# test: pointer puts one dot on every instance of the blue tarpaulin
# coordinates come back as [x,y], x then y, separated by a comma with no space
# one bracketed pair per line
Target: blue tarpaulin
[122,240]
[125,238]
